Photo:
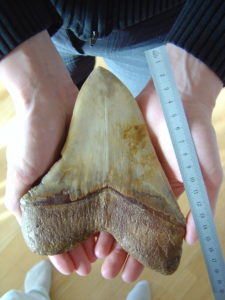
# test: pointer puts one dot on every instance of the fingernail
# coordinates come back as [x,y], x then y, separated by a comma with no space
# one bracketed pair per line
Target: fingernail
[99,252]
[80,273]
[83,271]
[191,239]
[106,275]
[126,278]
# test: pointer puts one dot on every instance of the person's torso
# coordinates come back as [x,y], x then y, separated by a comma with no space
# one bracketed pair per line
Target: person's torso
[84,17]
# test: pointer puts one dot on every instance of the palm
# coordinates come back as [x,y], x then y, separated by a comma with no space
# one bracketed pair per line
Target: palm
[199,118]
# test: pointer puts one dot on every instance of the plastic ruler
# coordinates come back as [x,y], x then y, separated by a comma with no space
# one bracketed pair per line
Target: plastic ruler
[184,148]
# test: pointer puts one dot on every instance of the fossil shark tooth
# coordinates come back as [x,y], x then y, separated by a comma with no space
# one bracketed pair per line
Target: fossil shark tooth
[107,179]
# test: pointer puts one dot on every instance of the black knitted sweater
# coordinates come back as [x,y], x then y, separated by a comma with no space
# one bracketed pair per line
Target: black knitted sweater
[195,25]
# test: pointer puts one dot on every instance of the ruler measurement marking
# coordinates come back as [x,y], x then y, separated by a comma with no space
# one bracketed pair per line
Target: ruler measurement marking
[189,167]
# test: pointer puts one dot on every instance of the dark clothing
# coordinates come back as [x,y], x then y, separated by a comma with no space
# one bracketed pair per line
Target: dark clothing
[195,25]
[122,50]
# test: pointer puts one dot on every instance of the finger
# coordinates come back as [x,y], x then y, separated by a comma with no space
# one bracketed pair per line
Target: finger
[80,260]
[114,262]
[191,236]
[63,263]
[14,191]
[132,270]
[104,244]
[27,159]
[89,248]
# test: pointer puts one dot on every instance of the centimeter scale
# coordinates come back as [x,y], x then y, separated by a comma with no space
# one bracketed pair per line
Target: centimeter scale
[184,148]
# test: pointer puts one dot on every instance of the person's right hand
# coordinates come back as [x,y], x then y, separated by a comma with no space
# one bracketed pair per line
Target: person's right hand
[44,95]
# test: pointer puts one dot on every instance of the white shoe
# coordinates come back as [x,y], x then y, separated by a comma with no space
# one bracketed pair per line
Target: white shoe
[141,291]
[39,278]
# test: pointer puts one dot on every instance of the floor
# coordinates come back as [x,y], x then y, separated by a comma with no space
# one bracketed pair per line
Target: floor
[190,281]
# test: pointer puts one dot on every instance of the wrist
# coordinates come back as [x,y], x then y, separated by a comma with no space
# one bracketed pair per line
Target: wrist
[34,72]
[195,81]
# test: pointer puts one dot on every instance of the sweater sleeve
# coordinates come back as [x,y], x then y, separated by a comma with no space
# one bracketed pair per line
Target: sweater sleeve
[200,29]
[21,19]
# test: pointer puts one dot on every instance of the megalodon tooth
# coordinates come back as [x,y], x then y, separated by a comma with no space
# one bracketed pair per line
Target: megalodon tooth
[107,179]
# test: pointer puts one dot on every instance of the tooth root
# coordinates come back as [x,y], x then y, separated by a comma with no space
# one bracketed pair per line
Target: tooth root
[108,179]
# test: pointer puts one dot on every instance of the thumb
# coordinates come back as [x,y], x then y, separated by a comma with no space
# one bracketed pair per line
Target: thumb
[35,145]
[29,155]
[20,176]
[14,191]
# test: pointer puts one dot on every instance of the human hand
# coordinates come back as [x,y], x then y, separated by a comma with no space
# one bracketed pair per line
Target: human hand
[44,96]
[199,88]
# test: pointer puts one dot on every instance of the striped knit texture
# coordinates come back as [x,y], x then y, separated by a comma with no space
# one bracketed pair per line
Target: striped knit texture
[21,19]
[117,14]
[200,29]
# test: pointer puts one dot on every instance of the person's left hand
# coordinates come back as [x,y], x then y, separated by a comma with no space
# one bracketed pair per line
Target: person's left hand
[199,87]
